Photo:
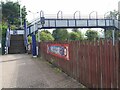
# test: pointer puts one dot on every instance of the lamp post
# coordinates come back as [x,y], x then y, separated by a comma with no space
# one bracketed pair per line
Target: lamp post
[20,13]
[34,48]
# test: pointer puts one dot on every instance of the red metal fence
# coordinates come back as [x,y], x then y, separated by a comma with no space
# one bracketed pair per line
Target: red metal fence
[94,64]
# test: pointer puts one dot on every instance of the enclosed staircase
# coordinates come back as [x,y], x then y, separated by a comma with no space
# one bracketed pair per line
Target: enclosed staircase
[16,44]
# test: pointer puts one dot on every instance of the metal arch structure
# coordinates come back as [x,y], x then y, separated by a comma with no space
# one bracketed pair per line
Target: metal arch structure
[95,13]
[75,14]
[60,12]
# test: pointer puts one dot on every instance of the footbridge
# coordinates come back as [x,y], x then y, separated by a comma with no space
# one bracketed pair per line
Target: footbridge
[76,21]
[61,21]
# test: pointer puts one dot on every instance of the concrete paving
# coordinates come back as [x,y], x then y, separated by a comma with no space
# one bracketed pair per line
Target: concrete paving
[23,71]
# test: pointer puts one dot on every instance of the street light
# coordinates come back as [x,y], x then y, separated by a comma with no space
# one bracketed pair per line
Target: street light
[91,13]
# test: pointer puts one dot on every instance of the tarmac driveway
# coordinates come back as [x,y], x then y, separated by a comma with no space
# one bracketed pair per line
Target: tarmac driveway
[23,71]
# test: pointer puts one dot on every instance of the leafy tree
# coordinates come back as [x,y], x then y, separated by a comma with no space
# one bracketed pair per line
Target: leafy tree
[3,36]
[60,34]
[29,39]
[91,35]
[75,30]
[113,14]
[108,32]
[46,36]
[11,13]
[75,36]
[10,16]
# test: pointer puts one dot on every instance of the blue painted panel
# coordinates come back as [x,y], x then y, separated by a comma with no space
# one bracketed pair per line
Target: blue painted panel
[34,45]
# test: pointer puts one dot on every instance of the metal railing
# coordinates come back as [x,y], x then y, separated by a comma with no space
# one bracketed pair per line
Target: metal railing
[76,15]
[16,32]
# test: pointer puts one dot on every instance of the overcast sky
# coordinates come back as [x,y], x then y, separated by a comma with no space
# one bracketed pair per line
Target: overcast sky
[69,6]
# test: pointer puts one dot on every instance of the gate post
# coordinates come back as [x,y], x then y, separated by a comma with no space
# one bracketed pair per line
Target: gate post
[34,45]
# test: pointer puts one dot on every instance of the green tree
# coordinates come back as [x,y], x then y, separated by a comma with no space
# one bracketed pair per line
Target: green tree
[10,16]
[29,39]
[75,30]
[60,34]
[46,36]
[75,35]
[108,32]
[113,14]
[11,13]
[3,37]
[91,34]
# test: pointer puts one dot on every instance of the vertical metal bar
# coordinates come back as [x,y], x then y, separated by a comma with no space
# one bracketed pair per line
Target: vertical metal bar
[38,36]
[67,23]
[113,35]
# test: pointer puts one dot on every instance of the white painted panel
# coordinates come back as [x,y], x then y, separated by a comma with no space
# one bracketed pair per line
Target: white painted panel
[11,32]
[81,22]
[107,22]
[46,23]
[61,23]
[20,31]
[101,22]
[71,22]
[17,31]
[111,22]
[92,22]
[32,29]
[52,23]
[116,23]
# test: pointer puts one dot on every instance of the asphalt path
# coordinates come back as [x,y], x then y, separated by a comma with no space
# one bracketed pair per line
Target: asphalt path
[23,71]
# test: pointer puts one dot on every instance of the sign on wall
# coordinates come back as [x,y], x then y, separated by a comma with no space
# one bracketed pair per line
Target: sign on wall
[59,50]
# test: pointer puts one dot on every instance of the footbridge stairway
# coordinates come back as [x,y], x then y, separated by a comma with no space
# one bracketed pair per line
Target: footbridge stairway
[16,44]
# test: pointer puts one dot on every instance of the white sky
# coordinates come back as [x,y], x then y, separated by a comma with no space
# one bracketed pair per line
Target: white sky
[69,6]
